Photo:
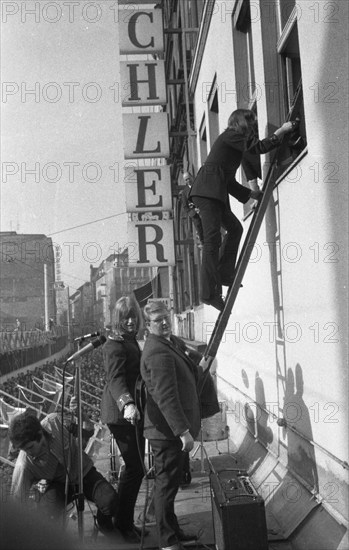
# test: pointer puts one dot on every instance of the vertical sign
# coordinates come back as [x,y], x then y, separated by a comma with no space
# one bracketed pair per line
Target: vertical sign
[146,136]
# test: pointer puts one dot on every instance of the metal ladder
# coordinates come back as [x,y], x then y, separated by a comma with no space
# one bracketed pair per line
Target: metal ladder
[244,257]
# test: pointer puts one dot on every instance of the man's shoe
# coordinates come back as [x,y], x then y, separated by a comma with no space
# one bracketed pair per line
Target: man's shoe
[216,301]
[105,525]
[186,480]
[109,532]
[130,535]
[186,537]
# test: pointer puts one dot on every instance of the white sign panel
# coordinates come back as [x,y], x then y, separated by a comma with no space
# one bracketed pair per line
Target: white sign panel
[147,188]
[141,31]
[150,215]
[143,83]
[153,243]
[146,135]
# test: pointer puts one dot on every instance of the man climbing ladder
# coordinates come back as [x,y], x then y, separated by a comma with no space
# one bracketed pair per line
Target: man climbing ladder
[210,194]
[244,257]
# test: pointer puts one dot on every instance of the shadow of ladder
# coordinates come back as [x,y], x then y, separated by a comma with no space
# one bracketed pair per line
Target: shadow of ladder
[279,317]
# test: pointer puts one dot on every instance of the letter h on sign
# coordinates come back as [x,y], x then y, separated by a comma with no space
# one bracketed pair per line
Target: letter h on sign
[143,82]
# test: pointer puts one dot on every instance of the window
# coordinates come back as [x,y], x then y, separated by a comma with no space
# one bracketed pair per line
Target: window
[285,9]
[203,140]
[213,121]
[243,54]
[292,96]
[251,172]
[291,66]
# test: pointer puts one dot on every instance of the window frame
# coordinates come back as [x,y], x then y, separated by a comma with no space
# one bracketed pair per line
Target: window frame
[291,91]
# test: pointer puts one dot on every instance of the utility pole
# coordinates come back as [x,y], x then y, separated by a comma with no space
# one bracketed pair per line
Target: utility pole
[68,316]
[46,297]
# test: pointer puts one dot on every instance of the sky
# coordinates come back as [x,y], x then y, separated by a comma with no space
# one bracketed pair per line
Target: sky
[61,130]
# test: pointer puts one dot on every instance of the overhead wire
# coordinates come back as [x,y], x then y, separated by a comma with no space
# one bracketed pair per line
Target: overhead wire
[26,241]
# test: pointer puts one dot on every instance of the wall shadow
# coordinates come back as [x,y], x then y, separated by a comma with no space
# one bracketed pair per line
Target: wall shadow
[300,450]
[252,449]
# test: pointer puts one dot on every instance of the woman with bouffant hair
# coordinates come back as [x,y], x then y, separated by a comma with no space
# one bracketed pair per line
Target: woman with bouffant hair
[210,194]
[241,121]
[121,355]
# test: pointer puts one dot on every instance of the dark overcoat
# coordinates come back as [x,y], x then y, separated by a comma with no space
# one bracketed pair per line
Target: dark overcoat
[216,178]
[172,402]
[121,357]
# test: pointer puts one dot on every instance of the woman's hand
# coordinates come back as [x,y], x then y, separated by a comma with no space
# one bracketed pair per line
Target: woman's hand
[286,128]
[187,441]
[131,413]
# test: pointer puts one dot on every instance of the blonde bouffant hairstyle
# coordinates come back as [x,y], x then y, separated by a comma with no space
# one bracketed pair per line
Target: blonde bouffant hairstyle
[125,307]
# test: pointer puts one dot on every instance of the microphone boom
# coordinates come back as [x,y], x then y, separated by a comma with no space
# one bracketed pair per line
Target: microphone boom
[85,336]
[86,349]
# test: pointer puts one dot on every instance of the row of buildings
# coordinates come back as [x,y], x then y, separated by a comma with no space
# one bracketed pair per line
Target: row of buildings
[34,297]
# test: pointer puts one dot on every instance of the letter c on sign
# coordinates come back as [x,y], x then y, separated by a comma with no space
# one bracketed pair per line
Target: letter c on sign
[132,30]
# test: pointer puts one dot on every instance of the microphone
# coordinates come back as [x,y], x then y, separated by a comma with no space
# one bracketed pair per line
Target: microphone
[91,335]
[86,349]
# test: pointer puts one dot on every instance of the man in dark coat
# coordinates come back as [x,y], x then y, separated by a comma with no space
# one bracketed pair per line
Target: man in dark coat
[189,208]
[172,416]
[210,194]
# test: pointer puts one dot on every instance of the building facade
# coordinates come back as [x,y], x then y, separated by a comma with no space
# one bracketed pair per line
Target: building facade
[115,277]
[27,278]
[81,309]
[282,362]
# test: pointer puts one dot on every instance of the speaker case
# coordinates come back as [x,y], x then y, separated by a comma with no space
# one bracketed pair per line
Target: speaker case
[238,512]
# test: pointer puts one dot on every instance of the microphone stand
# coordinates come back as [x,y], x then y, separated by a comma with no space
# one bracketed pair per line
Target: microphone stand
[80,496]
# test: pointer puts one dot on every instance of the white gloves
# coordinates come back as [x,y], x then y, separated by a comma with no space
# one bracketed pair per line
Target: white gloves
[187,441]
[131,413]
